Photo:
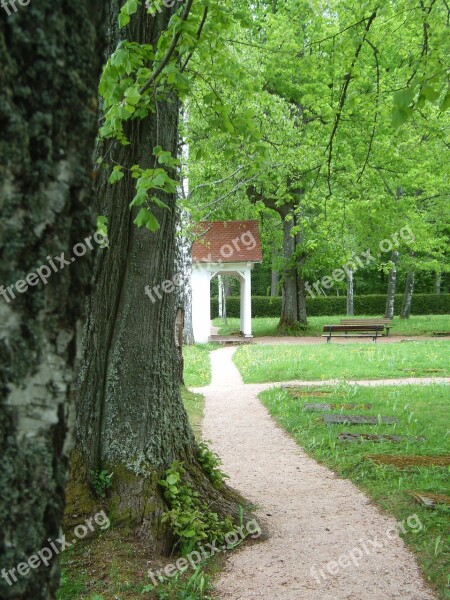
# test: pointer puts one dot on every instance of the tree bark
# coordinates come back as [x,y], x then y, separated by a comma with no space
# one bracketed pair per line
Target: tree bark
[131,417]
[407,297]
[392,283]
[350,294]
[51,59]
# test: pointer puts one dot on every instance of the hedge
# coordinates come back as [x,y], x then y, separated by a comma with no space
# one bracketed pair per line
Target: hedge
[374,304]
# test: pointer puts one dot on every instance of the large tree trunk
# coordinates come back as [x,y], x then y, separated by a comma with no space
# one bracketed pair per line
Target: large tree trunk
[392,282]
[51,59]
[131,417]
[407,297]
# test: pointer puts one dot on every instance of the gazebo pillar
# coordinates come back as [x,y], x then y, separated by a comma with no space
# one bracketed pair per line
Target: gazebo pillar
[246,302]
[201,305]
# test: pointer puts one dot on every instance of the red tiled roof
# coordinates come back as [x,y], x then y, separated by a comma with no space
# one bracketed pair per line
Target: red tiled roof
[227,241]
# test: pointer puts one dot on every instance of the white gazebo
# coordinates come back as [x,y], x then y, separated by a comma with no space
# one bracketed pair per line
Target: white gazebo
[223,248]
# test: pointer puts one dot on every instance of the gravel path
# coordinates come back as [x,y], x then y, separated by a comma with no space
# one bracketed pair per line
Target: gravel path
[313,517]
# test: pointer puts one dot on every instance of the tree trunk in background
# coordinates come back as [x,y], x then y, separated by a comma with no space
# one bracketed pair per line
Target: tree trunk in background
[407,298]
[183,267]
[350,294]
[131,419]
[274,284]
[227,287]
[289,305]
[179,293]
[220,294]
[293,304]
[51,59]
[392,282]
[438,282]
[275,278]
[188,333]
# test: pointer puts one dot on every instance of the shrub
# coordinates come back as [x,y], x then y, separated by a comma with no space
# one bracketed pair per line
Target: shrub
[374,304]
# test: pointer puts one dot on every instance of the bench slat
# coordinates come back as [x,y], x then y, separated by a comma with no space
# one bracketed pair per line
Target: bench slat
[353,328]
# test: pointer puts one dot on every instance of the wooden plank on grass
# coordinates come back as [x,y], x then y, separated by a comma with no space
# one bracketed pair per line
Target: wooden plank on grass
[358,420]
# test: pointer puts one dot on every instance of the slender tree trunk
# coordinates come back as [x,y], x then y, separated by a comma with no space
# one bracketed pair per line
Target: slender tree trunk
[438,282]
[350,294]
[289,307]
[301,301]
[184,268]
[392,283]
[407,298]
[131,418]
[220,295]
[226,286]
[274,283]
[275,278]
[51,59]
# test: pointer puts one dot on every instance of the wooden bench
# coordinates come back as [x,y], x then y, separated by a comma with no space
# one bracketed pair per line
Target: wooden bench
[346,331]
[387,323]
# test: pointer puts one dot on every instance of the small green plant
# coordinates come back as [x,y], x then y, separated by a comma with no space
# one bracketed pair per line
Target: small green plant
[195,587]
[188,514]
[211,463]
[101,482]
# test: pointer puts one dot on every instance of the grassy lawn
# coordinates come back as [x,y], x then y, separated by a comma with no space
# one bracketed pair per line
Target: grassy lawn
[259,364]
[422,411]
[415,325]
[197,368]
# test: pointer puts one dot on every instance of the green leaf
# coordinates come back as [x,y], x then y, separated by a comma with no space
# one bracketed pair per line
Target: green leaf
[400,116]
[188,533]
[123,20]
[102,229]
[445,104]
[152,222]
[147,219]
[430,93]
[116,174]
[404,98]
[132,95]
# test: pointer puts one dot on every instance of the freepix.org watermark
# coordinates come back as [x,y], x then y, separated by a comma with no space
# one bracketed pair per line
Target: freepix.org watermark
[57,263]
[194,558]
[10,6]
[245,241]
[55,547]
[363,549]
[360,262]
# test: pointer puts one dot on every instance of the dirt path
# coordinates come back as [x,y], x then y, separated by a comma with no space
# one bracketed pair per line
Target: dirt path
[313,517]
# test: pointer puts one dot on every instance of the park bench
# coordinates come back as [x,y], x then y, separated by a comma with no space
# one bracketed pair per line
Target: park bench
[387,323]
[346,331]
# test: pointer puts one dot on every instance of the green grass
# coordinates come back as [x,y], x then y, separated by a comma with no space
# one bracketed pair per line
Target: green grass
[194,405]
[197,367]
[422,411]
[415,325]
[259,364]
